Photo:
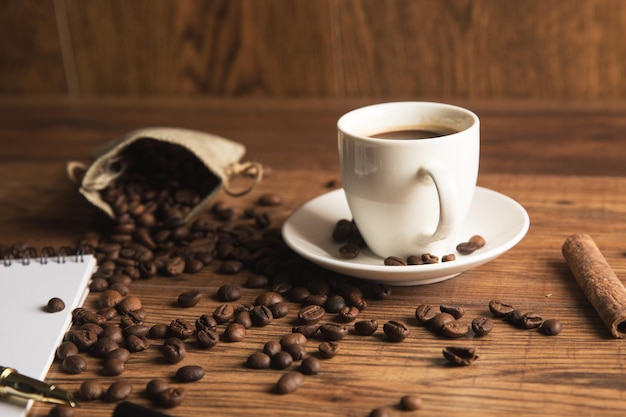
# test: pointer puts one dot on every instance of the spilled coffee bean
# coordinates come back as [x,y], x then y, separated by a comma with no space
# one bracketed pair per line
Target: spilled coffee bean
[462,356]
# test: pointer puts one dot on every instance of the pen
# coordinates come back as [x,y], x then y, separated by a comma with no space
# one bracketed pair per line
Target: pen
[17,385]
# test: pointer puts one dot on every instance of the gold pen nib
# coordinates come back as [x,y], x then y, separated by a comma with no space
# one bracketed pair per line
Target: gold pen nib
[17,385]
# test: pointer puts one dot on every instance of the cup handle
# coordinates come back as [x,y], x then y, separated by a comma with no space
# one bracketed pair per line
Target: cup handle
[447,194]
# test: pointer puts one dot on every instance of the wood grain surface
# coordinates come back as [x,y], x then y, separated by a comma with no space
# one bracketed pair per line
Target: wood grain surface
[327,48]
[574,183]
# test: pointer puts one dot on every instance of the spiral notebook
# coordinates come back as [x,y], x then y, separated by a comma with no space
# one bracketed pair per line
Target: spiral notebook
[29,335]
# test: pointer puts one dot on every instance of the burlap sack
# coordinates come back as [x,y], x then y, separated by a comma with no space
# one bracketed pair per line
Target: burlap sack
[220,156]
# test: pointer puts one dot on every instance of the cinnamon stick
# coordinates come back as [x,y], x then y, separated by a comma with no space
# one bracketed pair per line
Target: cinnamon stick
[598,281]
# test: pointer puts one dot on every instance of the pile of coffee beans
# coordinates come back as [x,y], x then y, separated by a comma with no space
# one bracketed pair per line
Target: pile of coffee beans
[346,233]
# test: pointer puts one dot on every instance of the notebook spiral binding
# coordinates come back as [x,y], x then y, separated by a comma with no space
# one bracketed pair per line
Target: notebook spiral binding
[24,255]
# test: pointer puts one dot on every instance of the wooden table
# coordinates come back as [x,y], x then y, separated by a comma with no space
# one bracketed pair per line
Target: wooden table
[564,162]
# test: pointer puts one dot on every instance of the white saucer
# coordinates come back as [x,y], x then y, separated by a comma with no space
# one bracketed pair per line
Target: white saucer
[499,219]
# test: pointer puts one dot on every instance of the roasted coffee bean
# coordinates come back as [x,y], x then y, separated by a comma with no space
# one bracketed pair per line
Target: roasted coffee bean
[414,260]
[84,339]
[244,318]
[515,318]
[315,299]
[334,303]
[436,323]
[136,343]
[478,240]
[156,386]
[448,258]
[173,350]
[425,313]
[268,298]
[107,312]
[349,314]
[114,333]
[551,327]
[91,317]
[279,310]
[499,309]
[281,360]
[482,326]
[98,284]
[410,403]
[356,300]
[318,286]
[289,382]
[259,360]
[230,267]
[171,397]
[455,329]
[103,346]
[74,364]
[113,367]
[228,293]
[120,353]
[118,391]
[175,266]
[271,348]
[129,303]
[333,331]
[466,248]
[270,199]
[456,312]
[257,281]
[66,349]
[328,349]
[207,338]
[462,356]
[394,261]
[343,230]
[530,321]
[92,327]
[223,313]
[189,373]
[292,339]
[55,304]
[299,294]
[158,331]
[123,289]
[310,366]
[366,327]
[261,315]
[349,250]
[282,287]
[136,329]
[234,332]
[109,298]
[379,292]
[193,266]
[429,258]
[311,314]
[308,330]
[90,390]
[395,330]
[189,298]
[297,352]
[206,322]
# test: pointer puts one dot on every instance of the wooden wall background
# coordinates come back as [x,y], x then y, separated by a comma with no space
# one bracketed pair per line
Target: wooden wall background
[552,49]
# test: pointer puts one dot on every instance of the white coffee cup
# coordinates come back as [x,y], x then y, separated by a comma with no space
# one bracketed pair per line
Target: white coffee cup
[409,196]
